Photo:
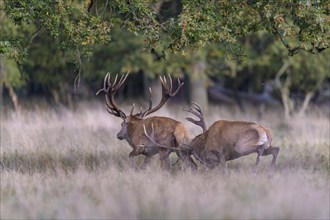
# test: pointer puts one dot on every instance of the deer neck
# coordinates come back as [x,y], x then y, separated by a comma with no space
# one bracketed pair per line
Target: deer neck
[132,127]
[198,143]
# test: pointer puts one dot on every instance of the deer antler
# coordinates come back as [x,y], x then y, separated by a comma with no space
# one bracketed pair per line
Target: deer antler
[167,93]
[110,89]
[197,111]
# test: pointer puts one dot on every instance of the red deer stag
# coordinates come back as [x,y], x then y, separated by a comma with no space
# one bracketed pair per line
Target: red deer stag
[227,140]
[168,131]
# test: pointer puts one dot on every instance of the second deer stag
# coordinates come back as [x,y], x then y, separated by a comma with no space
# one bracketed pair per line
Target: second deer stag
[167,131]
[227,140]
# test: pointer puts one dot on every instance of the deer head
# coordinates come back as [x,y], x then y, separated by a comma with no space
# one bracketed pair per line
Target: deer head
[111,88]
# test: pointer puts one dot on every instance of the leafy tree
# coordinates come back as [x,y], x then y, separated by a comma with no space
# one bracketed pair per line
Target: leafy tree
[50,69]
[304,75]
[10,78]
[165,31]
[300,25]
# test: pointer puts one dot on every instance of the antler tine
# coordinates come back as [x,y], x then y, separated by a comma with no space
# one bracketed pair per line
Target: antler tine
[163,82]
[166,94]
[197,111]
[197,107]
[107,87]
[171,83]
[179,82]
[143,114]
[177,90]
[191,110]
[150,100]
[114,82]
[126,75]
[150,92]
[104,89]
[151,138]
[112,112]
[110,90]
[111,109]
[133,106]
[107,101]
[122,80]
[106,80]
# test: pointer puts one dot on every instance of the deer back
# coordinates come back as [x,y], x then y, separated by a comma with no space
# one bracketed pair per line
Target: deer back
[238,136]
[167,131]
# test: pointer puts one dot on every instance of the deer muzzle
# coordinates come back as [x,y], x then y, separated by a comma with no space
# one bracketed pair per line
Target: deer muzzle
[120,137]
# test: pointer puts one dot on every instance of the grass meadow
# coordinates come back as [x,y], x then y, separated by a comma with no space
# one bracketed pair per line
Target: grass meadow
[61,164]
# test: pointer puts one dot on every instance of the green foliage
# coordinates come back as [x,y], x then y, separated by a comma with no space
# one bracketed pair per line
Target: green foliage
[12,75]
[264,58]
[308,72]
[234,39]
[300,25]
[11,38]
[64,20]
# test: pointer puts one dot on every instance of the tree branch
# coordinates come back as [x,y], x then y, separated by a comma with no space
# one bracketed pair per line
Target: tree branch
[76,82]
[35,34]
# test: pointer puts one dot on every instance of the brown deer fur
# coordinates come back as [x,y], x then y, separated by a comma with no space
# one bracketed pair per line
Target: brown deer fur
[228,140]
[167,132]
[225,140]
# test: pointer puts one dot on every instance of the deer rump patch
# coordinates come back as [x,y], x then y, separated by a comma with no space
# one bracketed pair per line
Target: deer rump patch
[251,140]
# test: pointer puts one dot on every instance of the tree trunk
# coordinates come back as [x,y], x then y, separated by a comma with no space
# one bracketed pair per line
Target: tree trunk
[198,85]
[10,88]
[285,90]
[56,96]
[13,98]
[156,90]
[306,102]
[286,100]
[1,82]
[1,102]
[66,95]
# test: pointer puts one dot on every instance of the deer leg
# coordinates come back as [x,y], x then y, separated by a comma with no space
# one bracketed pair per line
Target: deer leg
[223,164]
[188,161]
[191,163]
[165,160]
[176,162]
[274,151]
[260,151]
[166,164]
[131,156]
[167,154]
[146,161]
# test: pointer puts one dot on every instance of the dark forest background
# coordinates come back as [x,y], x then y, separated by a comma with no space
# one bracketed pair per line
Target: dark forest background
[227,52]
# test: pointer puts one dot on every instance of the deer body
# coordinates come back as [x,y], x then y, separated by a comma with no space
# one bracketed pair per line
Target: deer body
[228,140]
[167,131]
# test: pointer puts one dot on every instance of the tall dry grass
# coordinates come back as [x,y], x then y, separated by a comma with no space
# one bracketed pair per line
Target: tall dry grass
[69,165]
